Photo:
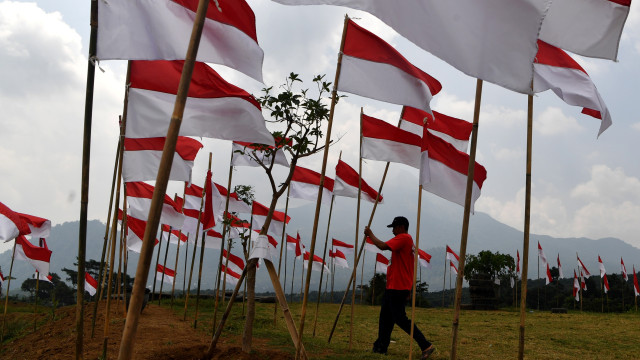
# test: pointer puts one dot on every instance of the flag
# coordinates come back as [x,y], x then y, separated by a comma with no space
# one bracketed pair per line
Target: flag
[541,255]
[372,68]
[518,264]
[236,264]
[38,257]
[90,284]
[245,154]
[237,227]
[338,258]
[317,263]
[305,183]
[45,277]
[161,29]
[342,246]
[1,278]
[369,246]
[208,218]
[230,276]
[601,265]
[606,283]
[424,258]
[191,208]
[490,40]
[11,225]
[453,268]
[382,263]
[384,142]
[135,234]
[169,275]
[583,281]
[443,171]
[583,269]
[624,270]
[173,236]
[636,288]
[212,240]
[549,279]
[259,215]
[556,70]
[513,281]
[560,274]
[346,184]
[450,129]
[451,255]
[295,244]
[576,286]
[141,158]
[220,194]
[586,27]
[139,196]
[40,227]
[215,108]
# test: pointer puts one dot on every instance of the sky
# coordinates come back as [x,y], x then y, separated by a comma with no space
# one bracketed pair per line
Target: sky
[582,186]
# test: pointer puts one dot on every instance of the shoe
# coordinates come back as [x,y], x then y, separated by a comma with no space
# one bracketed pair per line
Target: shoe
[427,352]
[377,350]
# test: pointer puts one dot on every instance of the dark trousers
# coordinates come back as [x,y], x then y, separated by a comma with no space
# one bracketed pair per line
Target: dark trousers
[392,312]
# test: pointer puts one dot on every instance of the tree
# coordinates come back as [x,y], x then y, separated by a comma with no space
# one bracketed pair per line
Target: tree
[496,265]
[49,293]
[299,117]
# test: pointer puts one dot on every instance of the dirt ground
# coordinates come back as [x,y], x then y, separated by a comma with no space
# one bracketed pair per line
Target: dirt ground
[161,336]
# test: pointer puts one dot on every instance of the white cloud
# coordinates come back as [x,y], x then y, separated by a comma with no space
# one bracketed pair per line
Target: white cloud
[636,126]
[552,121]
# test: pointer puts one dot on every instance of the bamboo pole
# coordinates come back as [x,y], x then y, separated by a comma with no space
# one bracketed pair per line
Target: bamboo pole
[118,277]
[142,271]
[195,320]
[6,296]
[193,260]
[538,279]
[465,223]
[124,279]
[153,291]
[444,276]
[324,256]
[334,98]
[293,276]
[166,253]
[415,271]
[186,260]
[333,272]
[373,284]
[122,242]
[226,263]
[283,240]
[362,275]
[35,307]
[527,224]
[84,192]
[173,286]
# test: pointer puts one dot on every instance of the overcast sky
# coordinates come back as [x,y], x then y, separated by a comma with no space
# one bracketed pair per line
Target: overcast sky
[582,186]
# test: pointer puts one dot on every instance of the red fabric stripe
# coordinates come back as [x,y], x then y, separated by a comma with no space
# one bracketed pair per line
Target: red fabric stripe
[32,220]
[456,255]
[33,252]
[237,222]
[23,228]
[553,56]
[229,271]
[194,190]
[164,76]
[233,258]
[307,176]
[424,255]
[316,258]
[457,128]
[444,152]
[221,189]
[339,243]
[350,176]
[236,13]
[595,113]
[261,210]
[365,45]
[165,270]
[378,129]
[89,279]
[340,254]
[186,147]
[622,2]
[143,190]
[213,233]
[382,259]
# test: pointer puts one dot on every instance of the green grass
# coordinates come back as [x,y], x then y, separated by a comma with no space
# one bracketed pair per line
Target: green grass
[482,334]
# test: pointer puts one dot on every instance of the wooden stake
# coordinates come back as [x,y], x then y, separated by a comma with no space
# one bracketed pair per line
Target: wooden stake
[527,223]
[84,192]
[415,271]
[334,99]
[324,256]
[6,296]
[142,272]
[283,240]
[465,222]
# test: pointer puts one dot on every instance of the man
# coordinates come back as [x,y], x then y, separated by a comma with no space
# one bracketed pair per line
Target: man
[399,285]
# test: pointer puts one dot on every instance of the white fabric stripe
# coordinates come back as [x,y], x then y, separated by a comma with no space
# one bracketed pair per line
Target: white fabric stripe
[300,190]
[160,30]
[381,268]
[275,227]
[344,250]
[460,145]
[88,288]
[41,266]
[370,248]
[143,166]
[42,232]
[411,127]
[383,82]
[340,262]
[387,150]
[449,184]
[227,118]
[139,209]
[167,279]
[341,188]
[134,243]
[8,230]
[424,263]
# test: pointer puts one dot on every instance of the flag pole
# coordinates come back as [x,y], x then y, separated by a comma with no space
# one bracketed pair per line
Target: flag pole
[173,286]
[195,320]
[193,258]
[6,296]
[538,277]
[166,253]
[334,99]
[84,192]
[527,225]
[184,274]
[465,222]
[226,263]
[373,287]
[153,291]
[35,307]
[324,256]
[415,271]
[444,276]
[118,277]
[186,261]
[293,276]
[282,244]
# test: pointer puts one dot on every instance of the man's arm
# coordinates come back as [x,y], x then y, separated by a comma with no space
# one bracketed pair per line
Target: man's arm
[377,242]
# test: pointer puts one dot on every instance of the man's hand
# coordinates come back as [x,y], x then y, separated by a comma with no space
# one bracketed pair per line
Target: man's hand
[368,232]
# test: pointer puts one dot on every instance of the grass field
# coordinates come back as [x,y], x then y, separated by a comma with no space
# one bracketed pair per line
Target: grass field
[482,334]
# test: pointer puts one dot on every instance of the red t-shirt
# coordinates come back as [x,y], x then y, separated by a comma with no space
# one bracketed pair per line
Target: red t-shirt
[400,271]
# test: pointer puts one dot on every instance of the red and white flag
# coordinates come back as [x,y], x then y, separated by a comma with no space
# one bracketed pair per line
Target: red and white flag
[601,265]
[38,257]
[139,196]
[173,236]
[444,169]
[346,184]
[450,129]
[295,244]
[548,277]
[246,154]
[586,27]
[518,264]
[606,283]
[215,108]
[583,269]
[191,209]
[317,263]
[384,142]
[1,277]
[453,268]
[382,263]
[554,69]
[490,40]
[11,225]
[278,220]
[90,284]
[451,255]
[636,288]
[47,278]
[576,286]
[161,29]
[135,234]
[369,246]
[424,258]
[342,246]
[237,227]
[583,281]
[560,274]
[212,240]
[338,258]
[220,195]
[541,255]
[372,68]
[624,270]
[208,217]
[230,276]
[40,227]
[305,183]
[169,275]
[141,158]
[236,264]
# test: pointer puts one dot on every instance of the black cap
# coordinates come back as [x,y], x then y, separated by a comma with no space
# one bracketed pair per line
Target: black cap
[400,220]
